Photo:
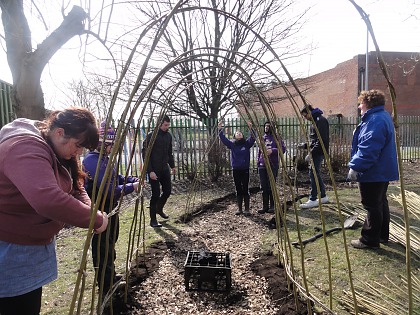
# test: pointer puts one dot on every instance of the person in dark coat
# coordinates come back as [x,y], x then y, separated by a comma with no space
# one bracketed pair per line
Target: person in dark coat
[373,163]
[103,247]
[240,161]
[161,157]
[316,152]
[270,143]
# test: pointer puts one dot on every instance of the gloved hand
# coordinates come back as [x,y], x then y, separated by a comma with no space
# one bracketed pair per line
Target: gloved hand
[352,175]
[308,158]
[302,145]
[104,223]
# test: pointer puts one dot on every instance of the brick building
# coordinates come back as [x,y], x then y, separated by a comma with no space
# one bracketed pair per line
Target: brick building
[335,91]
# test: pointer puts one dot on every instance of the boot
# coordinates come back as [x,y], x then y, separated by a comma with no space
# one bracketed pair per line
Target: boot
[271,208]
[239,201]
[272,223]
[246,200]
[153,221]
[265,196]
[159,210]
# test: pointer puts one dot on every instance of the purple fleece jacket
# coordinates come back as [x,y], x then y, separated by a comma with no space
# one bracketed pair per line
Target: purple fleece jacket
[36,193]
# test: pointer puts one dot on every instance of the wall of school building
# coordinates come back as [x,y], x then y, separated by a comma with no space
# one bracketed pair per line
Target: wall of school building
[335,91]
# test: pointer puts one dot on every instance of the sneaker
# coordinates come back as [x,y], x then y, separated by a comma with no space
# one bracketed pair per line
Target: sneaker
[324,200]
[360,245]
[247,213]
[309,204]
[238,212]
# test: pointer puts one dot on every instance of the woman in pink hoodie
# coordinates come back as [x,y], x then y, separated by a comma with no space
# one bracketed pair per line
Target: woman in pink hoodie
[41,189]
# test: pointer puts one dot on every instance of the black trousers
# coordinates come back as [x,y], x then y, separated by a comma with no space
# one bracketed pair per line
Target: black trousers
[241,179]
[26,304]
[375,202]
[164,180]
[265,179]
[103,260]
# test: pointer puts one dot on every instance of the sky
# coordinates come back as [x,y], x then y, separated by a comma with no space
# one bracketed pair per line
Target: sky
[338,33]
[334,30]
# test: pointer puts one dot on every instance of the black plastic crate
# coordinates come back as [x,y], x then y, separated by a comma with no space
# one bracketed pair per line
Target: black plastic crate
[207,271]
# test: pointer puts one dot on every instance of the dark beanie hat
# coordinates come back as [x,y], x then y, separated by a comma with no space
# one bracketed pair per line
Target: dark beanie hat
[306,109]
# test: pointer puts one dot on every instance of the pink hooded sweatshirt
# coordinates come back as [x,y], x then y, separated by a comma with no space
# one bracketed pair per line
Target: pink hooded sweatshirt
[36,193]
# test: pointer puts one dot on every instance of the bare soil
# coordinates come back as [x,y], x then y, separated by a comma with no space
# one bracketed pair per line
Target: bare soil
[259,283]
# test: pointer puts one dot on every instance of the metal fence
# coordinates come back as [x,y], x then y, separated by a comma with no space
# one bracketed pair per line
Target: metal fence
[192,141]
[6,111]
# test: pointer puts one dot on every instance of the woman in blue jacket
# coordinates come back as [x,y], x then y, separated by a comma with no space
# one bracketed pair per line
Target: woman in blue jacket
[240,160]
[373,164]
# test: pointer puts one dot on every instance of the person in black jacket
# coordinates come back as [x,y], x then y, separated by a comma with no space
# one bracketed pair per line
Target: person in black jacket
[159,173]
[315,150]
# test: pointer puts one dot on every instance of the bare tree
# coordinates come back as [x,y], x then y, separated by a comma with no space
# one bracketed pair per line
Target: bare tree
[94,95]
[216,38]
[25,62]
[211,80]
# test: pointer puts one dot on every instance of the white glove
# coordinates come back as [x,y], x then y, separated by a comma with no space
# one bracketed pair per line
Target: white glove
[136,186]
[302,146]
[352,176]
[308,158]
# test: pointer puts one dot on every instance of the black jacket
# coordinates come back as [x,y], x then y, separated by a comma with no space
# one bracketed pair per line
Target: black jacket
[161,154]
[324,130]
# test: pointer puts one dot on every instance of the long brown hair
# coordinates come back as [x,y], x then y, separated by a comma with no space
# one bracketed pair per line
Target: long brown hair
[78,123]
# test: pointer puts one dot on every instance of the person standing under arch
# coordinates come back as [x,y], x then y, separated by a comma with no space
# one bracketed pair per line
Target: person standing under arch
[240,161]
[270,139]
[161,157]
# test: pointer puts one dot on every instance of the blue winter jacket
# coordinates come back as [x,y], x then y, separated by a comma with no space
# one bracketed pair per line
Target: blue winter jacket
[239,151]
[374,153]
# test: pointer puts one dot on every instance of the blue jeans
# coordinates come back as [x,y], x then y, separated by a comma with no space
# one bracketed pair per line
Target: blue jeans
[317,159]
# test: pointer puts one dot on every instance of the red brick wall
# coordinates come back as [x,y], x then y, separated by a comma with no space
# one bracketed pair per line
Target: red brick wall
[335,91]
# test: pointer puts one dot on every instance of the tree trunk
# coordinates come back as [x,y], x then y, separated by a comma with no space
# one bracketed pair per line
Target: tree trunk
[27,64]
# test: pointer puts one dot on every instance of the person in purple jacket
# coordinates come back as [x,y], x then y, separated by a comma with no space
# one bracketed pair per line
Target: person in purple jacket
[240,160]
[270,142]
[117,186]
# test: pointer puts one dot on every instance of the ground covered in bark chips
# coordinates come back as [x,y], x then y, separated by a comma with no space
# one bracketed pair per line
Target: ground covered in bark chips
[258,284]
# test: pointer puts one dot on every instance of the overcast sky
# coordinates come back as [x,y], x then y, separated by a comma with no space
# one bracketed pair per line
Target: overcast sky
[338,33]
[335,31]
